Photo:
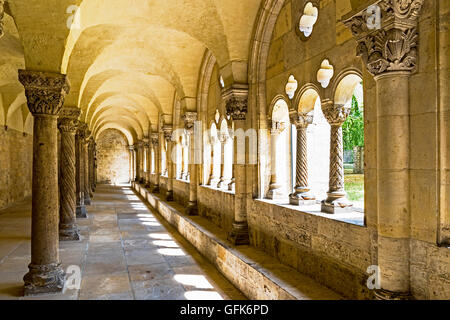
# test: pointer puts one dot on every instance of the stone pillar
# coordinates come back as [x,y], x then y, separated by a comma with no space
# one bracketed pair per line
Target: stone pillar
[213,178]
[170,164]
[45,94]
[2,13]
[223,182]
[138,161]
[146,164]
[67,124]
[301,195]
[189,122]
[276,190]
[390,55]
[337,197]
[132,176]
[91,166]
[184,162]
[156,149]
[85,147]
[236,100]
[80,136]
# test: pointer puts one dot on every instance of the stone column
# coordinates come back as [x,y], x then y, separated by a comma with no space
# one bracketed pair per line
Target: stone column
[91,166]
[67,124]
[80,136]
[146,164]
[156,149]
[224,181]
[132,176]
[236,100]
[275,188]
[301,195]
[337,197]
[2,13]
[45,94]
[189,122]
[85,147]
[138,161]
[390,55]
[213,178]
[184,164]
[170,164]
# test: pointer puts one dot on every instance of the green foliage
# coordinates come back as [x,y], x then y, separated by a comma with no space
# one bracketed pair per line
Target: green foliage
[353,128]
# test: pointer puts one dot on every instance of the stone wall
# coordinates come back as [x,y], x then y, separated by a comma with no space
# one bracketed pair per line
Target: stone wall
[217,206]
[16,161]
[181,191]
[113,157]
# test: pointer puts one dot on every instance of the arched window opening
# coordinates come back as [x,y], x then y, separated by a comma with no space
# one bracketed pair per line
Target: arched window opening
[346,117]
[280,150]
[311,151]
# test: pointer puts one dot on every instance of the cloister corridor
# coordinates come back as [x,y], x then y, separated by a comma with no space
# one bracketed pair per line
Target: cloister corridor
[126,252]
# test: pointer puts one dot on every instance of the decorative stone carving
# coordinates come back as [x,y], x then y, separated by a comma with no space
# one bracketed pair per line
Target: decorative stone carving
[189,119]
[394,46]
[325,73]
[2,13]
[155,139]
[236,101]
[67,124]
[308,19]
[45,91]
[291,87]
[337,197]
[301,195]
[167,133]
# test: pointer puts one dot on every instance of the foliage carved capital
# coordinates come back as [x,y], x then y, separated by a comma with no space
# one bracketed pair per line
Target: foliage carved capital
[236,102]
[392,45]
[335,114]
[45,91]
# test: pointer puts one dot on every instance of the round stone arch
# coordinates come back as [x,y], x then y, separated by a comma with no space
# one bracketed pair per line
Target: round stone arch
[342,84]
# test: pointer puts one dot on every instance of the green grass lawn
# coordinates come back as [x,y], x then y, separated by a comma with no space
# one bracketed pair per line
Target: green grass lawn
[354,185]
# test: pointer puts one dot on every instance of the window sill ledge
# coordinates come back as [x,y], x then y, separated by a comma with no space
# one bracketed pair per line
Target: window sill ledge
[354,217]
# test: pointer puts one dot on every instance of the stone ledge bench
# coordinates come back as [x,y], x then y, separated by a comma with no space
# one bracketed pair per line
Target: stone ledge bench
[256,274]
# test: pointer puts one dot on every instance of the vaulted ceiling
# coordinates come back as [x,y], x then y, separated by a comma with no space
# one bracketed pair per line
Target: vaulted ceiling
[127,60]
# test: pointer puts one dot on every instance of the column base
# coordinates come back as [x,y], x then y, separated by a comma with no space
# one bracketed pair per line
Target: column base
[223,184]
[239,235]
[192,209]
[87,200]
[148,185]
[44,279]
[81,212]
[232,186]
[276,194]
[383,294]
[214,182]
[301,196]
[336,202]
[156,189]
[169,195]
[69,233]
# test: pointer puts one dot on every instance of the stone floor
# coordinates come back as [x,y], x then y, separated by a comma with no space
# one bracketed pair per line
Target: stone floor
[126,252]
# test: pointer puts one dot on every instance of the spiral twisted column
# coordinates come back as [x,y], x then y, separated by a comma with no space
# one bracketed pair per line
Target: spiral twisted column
[301,196]
[337,197]
[85,147]
[67,124]
[193,137]
[45,93]
[79,164]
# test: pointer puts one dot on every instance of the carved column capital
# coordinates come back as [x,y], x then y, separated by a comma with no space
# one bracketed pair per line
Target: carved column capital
[167,129]
[189,119]
[2,13]
[392,46]
[45,91]
[301,120]
[68,119]
[335,114]
[155,139]
[277,127]
[236,102]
